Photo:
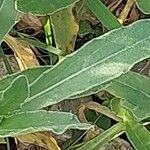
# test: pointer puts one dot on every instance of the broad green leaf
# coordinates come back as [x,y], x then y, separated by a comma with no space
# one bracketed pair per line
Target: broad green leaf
[14,95]
[42,7]
[144,6]
[137,133]
[27,122]
[103,138]
[134,89]
[97,62]
[65,29]
[8,17]
[103,14]
[31,74]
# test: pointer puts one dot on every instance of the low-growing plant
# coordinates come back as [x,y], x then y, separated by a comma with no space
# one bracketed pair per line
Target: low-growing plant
[103,63]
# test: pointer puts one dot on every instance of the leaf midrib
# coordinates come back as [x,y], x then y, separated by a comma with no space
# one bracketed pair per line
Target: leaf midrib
[87,68]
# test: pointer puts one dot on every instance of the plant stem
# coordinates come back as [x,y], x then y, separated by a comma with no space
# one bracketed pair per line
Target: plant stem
[8,144]
[48,33]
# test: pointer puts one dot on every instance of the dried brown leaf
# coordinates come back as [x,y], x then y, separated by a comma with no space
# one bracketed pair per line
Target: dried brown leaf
[23,53]
[42,139]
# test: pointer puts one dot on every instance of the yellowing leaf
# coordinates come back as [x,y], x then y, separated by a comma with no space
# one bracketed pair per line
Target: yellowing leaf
[23,53]
[126,11]
[42,139]
[65,28]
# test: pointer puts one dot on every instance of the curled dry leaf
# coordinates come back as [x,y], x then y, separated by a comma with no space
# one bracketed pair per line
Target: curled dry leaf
[42,139]
[23,53]
[100,109]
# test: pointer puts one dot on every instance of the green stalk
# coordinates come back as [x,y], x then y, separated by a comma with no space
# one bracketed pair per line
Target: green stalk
[48,32]
[104,137]
[8,144]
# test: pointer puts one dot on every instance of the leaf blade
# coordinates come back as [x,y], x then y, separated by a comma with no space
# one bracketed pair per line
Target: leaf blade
[65,29]
[134,89]
[57,122]
[98,67]
[103,14]
[48,6]
[137,133]
[31,74]
[8,18]
[11,100]
[144,6]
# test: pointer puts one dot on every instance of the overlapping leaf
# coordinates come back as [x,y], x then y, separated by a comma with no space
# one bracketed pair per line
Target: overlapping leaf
[134,89]
[144,6]
[99,61]
[27,122]
[65,28]
[31,75]
[137,133]
[42,7]
[14,95]
[8,17]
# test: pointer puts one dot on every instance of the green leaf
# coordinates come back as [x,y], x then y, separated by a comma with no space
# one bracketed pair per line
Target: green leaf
[14,95]
[8,17]
[137,133]
[134,89]
[97,62]
[27,122]
[117,108]
[104,137]
[42,7]
[103,14]
[31,74]
[91,91]
[144,6]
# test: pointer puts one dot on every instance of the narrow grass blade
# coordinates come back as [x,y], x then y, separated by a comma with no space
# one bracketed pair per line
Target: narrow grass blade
[103,14]
[104,137]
